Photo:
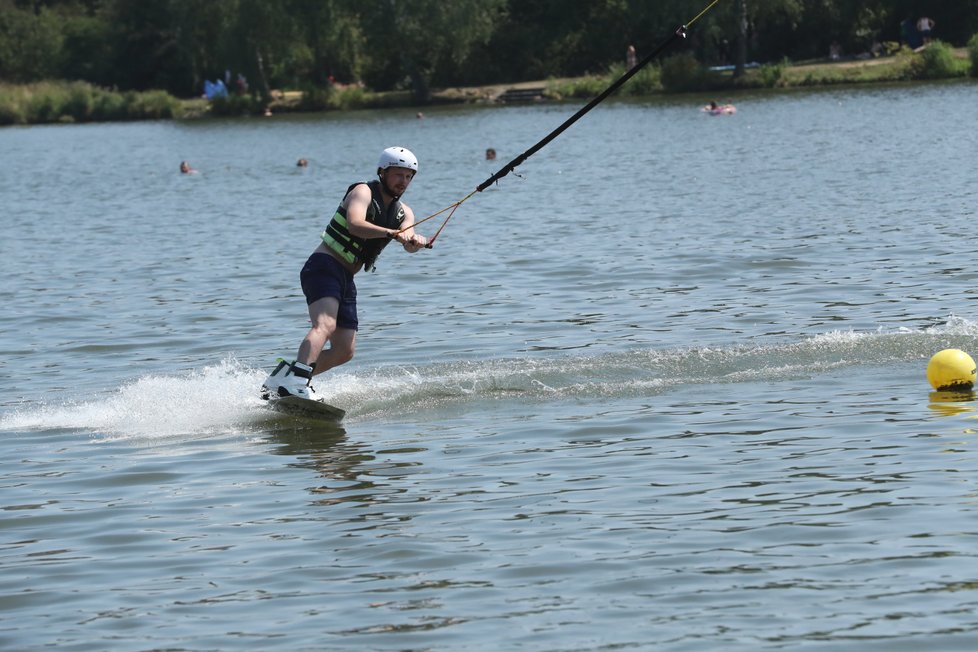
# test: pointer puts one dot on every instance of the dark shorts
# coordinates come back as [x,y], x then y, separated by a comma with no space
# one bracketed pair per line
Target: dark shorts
[323,276]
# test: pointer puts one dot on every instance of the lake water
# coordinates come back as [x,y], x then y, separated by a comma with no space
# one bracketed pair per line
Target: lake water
[665,389]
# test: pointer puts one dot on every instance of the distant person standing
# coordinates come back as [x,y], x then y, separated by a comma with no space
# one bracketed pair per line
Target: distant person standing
[631,58]
[909,33]
[924,27]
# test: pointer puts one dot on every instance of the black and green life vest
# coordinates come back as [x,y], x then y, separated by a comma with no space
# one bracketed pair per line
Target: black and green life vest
[354,249]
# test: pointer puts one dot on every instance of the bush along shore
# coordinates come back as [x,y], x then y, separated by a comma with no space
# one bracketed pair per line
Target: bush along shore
[683,74]
[67,102]
[55,101]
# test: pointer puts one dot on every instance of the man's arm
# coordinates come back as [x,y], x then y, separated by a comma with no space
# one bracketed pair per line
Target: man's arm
[357,203]
[356,217]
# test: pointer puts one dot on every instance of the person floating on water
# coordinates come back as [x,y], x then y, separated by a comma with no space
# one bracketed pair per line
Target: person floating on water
[370,215]
[186,169]
[719,109]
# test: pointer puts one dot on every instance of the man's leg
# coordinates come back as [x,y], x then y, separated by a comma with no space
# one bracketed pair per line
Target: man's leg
[341,346]
[293,380]
[322,314]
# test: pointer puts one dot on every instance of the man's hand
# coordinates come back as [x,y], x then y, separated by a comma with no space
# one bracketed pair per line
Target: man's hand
[414,243]
[411,243]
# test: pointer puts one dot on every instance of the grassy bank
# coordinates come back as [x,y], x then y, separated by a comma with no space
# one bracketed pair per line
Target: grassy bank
[682,73]
[48,102]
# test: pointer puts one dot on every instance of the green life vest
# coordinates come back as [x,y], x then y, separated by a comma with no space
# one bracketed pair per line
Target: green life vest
[354,249]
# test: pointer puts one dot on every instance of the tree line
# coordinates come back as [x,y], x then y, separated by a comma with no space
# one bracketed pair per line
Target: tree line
[175,45]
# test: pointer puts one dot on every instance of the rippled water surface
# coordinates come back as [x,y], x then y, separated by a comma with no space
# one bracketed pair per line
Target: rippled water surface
[663,390]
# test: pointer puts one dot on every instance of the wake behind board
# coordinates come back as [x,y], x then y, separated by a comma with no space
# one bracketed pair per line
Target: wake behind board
[304,407]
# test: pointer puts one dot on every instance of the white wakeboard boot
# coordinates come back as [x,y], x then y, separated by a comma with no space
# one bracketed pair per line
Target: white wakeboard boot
[289,380]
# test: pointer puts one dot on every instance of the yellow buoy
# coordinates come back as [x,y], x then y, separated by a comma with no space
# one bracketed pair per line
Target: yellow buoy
[951,369]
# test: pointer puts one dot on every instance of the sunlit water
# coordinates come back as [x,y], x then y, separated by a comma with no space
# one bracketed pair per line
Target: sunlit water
[663,390]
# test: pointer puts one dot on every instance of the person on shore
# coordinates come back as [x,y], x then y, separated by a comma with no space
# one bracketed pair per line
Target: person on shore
[370,215]
[924,27]
[909,33]
[186,169]
[631,57]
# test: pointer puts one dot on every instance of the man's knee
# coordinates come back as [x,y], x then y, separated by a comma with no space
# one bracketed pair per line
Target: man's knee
[324,327]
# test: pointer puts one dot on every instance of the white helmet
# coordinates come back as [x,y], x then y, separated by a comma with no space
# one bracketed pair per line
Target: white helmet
[397,157]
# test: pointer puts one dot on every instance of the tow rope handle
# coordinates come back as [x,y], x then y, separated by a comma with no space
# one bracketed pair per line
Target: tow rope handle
[431,241]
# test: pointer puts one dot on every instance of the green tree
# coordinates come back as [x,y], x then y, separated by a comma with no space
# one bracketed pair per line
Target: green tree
[30,43]
[200,30]
[147,52]
[425,40]
[332,42]
[260,40]
[88,53]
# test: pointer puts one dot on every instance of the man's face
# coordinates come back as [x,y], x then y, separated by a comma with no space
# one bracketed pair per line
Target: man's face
[398,179]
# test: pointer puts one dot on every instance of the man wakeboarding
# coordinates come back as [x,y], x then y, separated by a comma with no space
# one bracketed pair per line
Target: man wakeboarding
[370,216]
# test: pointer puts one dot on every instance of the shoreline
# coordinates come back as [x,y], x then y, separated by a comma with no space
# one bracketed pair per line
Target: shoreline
[885,69]
[49,102]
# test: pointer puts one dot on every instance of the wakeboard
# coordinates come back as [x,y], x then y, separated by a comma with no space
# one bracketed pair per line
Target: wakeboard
[304,407]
